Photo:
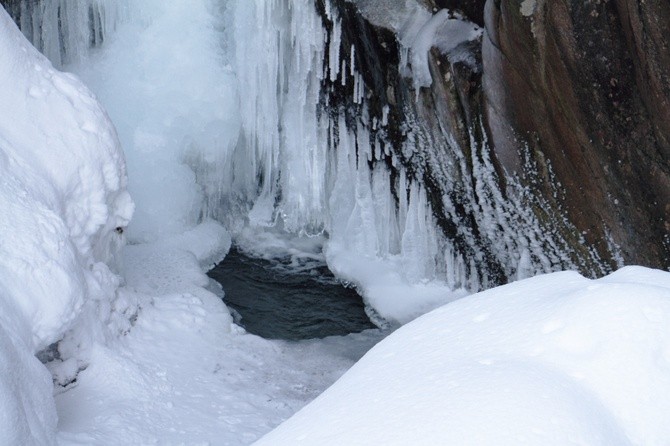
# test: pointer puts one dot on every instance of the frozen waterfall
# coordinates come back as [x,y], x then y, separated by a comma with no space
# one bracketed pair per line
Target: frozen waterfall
[224,113]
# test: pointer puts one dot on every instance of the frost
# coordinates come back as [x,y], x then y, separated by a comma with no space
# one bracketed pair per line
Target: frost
[528,7]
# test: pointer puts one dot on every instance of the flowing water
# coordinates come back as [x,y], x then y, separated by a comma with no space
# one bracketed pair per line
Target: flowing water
[276,300]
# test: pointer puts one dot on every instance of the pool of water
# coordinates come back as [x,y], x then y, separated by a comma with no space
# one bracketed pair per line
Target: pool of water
[277,300]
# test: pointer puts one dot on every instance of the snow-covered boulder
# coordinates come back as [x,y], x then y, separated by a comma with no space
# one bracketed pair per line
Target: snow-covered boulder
[63,189]
[62,196]
[556,359]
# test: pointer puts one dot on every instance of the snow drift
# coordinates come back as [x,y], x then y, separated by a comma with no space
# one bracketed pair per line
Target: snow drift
[556,359]
[62,195]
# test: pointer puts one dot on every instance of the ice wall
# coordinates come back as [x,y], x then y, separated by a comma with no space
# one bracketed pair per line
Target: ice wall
[363,120]
[64,30]
[166,81]
[354,120]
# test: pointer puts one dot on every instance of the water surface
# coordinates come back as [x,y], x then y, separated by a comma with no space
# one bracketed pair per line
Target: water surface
[278,300]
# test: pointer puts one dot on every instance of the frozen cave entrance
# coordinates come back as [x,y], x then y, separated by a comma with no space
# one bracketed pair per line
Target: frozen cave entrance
[289,295]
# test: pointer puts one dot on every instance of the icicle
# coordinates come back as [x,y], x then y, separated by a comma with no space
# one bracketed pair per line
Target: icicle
[378,149]
[385,115]
[334,50]
[65,30]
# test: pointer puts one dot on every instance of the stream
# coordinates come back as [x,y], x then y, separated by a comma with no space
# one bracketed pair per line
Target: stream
[277,300]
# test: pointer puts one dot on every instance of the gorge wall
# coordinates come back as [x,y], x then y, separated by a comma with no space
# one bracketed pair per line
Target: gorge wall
[586,85]
[543,145]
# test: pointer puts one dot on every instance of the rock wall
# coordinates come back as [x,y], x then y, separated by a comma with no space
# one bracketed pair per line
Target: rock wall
[543,146]
[586,85]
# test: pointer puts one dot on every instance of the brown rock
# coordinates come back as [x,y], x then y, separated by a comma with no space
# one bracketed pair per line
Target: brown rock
[586,84]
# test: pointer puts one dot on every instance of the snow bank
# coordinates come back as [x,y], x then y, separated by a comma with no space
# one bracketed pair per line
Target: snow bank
[556,359]
[27,410]
[63,189]
[62,196]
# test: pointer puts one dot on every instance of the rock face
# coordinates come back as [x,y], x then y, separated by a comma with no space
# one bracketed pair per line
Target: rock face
[586,85]
[472,9]
[547,144]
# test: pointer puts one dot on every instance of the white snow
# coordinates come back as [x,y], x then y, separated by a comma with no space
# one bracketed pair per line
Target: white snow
[556,359]
[162,77]
[62,195]
[183,374]
[419,31]
[528,7]
[180,372]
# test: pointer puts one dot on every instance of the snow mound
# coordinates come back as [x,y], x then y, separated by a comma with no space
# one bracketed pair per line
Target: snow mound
[556,359]
[62,195]
[63,189]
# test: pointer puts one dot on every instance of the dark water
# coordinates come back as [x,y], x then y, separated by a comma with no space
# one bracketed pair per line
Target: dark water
[279,301]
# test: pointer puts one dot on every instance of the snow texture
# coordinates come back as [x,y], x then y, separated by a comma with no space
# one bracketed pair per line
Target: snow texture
[168,118]
[178,371]
[556,359]
[62,195]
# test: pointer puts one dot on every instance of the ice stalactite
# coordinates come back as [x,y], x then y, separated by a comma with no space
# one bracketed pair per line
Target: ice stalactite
[65,30]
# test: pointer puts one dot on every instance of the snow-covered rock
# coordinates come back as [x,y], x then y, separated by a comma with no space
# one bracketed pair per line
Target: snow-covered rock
[556,359]
[62,195]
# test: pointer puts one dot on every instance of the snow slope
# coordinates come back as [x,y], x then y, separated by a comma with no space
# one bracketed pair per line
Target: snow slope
[183,374]
[556,359]
[62,194]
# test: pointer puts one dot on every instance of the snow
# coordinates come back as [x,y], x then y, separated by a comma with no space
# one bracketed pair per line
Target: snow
[172,119]
[418,31]
[183,373]
[556,359]
[178,371]
[528,7]
[62,194]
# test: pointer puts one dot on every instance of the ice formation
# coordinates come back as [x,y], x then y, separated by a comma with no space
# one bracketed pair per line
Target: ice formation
[308,170]
[243,129]
[223,111]
[240,129]
[65,30]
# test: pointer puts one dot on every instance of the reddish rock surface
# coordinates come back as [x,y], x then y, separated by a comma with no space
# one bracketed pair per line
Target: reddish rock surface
[586,84]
